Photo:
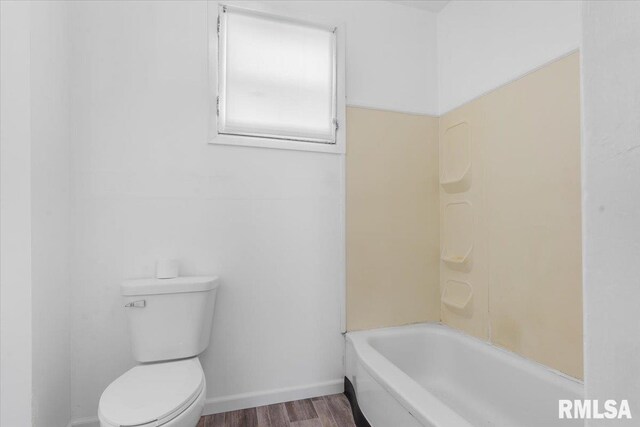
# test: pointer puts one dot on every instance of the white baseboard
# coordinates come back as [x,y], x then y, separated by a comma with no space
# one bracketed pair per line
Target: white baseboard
[248,400]
[84,422]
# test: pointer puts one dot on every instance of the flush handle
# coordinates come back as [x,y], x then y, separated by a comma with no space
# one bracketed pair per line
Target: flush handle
[137,304]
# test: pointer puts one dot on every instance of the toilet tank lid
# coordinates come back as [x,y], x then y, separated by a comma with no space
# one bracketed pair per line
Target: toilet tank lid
[177,285]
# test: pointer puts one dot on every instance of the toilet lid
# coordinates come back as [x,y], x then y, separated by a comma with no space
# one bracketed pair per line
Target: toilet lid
[152,393]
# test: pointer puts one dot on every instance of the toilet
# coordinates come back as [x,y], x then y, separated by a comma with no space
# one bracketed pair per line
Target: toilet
[170,322]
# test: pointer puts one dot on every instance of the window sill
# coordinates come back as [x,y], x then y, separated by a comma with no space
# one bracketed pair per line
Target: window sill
[250,141]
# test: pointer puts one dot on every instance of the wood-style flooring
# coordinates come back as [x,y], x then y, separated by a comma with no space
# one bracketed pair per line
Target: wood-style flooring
[324,411]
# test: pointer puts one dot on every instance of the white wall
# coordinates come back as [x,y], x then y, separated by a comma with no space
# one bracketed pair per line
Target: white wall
[35,215]
[611,172]
[50,210]
[15,216]
[485,44]
[269,222]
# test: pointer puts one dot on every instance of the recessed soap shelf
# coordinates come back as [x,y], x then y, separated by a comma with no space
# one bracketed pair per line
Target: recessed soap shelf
[456,158]
[457,185]
[457,294]
[457,235]
[457,262]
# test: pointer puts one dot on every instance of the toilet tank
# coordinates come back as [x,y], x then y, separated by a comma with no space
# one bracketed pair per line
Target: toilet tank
[169,318]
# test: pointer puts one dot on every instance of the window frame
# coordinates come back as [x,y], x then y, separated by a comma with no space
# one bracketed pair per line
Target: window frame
[215,11]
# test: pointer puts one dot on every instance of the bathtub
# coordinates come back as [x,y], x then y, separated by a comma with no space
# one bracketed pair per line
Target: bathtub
[430,375]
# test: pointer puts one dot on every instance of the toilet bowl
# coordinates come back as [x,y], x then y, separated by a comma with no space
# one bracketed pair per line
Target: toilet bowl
[168,394]
[170,323]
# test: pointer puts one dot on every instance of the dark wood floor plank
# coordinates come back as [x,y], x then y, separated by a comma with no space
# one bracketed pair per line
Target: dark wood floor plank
[215,420]
[241,418]
[300,410]
[312,422]
[250,418]
[278,415]
[262,415]
[323,411]
[340,409]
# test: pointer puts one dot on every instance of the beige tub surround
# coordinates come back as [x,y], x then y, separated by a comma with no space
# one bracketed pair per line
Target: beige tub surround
[392,219]
[474,218]
[512,234]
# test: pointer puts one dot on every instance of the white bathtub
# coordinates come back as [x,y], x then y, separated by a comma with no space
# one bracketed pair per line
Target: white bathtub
[433,376]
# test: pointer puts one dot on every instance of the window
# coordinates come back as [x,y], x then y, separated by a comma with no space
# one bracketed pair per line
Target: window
[277,81]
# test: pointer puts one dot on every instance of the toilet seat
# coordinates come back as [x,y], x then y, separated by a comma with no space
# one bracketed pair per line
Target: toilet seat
[152,394]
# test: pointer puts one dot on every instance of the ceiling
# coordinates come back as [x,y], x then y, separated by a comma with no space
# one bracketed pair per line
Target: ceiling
[430,5]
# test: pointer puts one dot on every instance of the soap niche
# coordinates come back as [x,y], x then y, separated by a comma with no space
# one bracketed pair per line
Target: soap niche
[456,159]
[457,296]
[457,262]
[457,236]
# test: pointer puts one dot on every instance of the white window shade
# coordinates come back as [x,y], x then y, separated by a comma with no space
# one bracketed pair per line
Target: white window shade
[277,78]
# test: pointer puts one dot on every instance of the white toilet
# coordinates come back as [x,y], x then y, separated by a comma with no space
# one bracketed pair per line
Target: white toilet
[170,323]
